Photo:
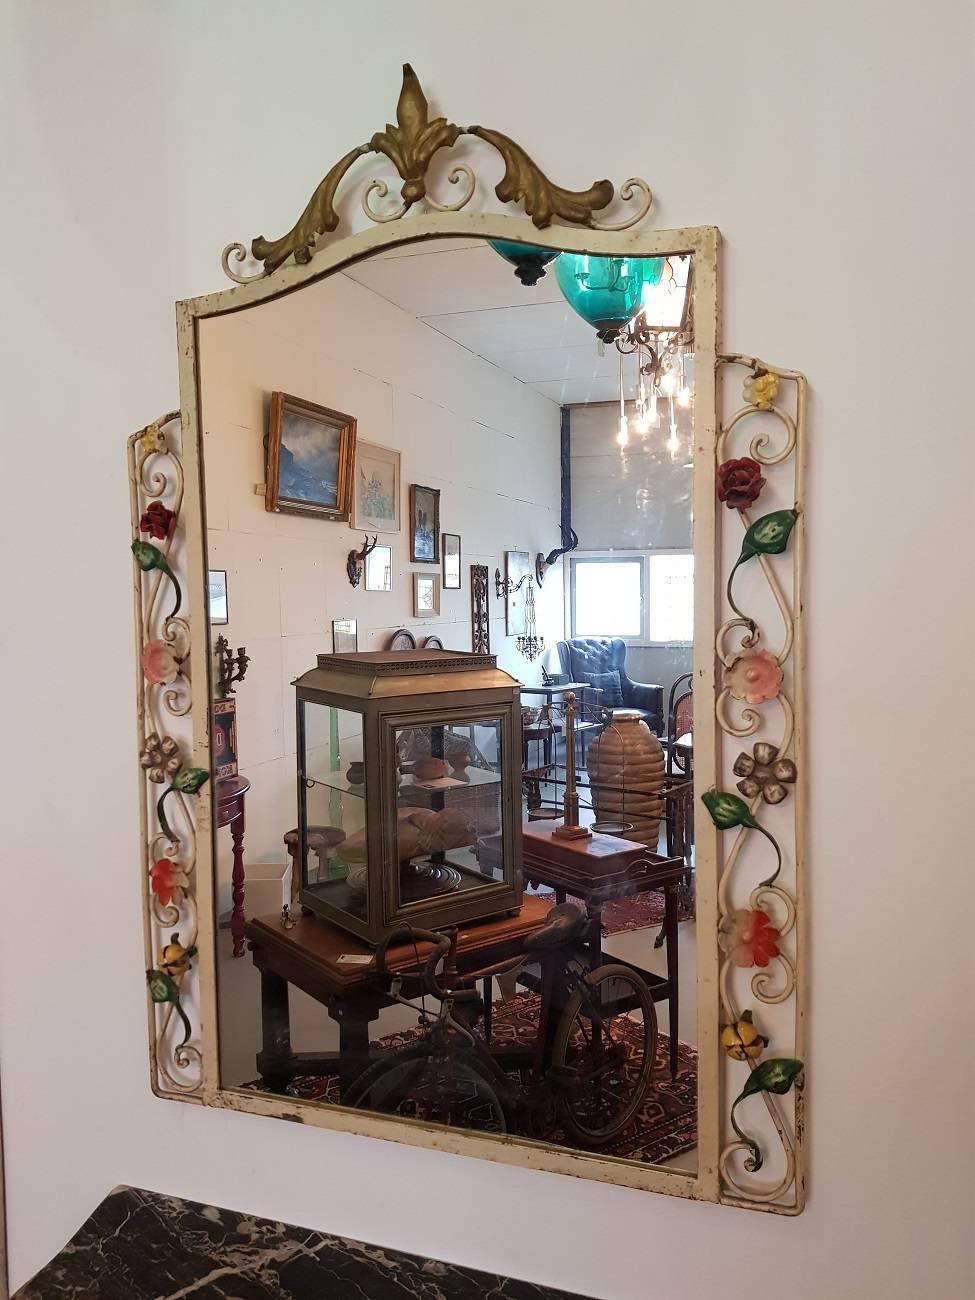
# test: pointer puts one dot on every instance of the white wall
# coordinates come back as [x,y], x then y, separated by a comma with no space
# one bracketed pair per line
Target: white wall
[488,442]
[832,145]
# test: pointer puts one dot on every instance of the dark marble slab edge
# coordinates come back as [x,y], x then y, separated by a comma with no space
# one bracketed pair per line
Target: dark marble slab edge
[141,1245]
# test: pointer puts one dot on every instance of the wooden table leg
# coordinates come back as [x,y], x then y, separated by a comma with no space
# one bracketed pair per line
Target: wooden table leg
[237,883]
[670,930]
[275,1056]
[353,1019]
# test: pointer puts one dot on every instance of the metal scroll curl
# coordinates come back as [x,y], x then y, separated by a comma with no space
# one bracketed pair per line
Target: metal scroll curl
[165,697]
[760,915]
[410,144]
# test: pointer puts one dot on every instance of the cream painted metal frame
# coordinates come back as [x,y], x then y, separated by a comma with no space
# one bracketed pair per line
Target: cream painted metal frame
[174,742]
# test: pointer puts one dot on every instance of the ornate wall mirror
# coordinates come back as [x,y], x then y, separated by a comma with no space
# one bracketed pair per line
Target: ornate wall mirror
[557,382]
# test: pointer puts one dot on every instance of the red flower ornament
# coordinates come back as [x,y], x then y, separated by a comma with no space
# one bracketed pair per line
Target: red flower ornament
[740,483]
[749,937]
[167,880]
[158,521]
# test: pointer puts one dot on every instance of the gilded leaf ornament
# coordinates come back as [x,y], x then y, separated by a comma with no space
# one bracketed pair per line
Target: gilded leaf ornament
[318,218]
[410,146]
[524,182]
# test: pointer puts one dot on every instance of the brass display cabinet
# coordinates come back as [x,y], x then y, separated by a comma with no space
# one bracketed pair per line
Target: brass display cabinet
[409,790]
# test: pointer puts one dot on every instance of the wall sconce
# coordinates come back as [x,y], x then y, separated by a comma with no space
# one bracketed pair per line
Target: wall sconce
[504,587]
[230,667]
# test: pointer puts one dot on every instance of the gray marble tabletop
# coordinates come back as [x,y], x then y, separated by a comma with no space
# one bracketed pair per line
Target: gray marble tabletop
[143,1246]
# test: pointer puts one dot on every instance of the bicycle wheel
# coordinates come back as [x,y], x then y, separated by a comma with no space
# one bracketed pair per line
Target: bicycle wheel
[437,1090]
[607,1038]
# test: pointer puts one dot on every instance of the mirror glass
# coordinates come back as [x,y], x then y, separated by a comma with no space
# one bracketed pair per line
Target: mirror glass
[463,404]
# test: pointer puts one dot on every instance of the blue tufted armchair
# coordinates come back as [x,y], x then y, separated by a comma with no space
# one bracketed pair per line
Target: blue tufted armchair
[585,658]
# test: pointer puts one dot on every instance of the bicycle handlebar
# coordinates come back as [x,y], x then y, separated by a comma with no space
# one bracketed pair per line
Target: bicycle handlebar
[442,944]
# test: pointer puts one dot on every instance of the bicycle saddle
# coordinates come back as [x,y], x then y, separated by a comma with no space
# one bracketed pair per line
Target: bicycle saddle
[563,925]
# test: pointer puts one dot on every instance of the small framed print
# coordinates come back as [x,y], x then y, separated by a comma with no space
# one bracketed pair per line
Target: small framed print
[379,569]
[451,561]
[224,738]
[217,597]
[310,452]
[424,524]
[345,636]
[426,595]
[376,497]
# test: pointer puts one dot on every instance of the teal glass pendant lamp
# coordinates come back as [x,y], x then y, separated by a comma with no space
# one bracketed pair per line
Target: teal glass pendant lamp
[607,292]
[528,260]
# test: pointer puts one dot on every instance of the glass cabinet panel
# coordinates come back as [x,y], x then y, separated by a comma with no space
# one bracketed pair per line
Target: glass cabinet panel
[449,807]
[333,786]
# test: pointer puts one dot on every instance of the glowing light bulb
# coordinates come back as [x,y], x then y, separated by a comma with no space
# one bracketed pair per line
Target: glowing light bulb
[668,383]
[684,397]
[623,437]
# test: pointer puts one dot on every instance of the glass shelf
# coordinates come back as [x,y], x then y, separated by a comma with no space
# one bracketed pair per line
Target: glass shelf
[337,781]
[442,785]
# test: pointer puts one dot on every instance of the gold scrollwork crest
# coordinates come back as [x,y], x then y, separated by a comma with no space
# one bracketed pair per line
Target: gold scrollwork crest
[410,146]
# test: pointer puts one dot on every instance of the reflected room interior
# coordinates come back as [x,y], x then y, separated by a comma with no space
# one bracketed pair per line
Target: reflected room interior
[523,418]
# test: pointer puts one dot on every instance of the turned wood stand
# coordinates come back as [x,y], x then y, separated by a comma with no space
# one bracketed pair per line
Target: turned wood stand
[230,812]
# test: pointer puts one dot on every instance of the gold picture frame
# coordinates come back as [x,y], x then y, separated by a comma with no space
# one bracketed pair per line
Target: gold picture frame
[306,442]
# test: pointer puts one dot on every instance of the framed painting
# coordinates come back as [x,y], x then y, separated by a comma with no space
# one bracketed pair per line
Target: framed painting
[424,524]
[376,496]
[451,561]
[310,453]
[426,595]
[516,573]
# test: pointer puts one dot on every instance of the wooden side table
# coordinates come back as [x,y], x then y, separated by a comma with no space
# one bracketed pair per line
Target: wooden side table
[339,970]
[230,812]
[601,870]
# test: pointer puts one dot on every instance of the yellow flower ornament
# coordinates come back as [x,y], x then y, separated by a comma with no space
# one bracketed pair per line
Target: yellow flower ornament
[761,389]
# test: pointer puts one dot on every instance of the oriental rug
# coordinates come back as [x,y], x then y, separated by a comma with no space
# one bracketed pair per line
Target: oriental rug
[665,1126]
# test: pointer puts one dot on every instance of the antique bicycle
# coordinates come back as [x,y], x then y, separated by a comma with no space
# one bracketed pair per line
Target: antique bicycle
[587,1070]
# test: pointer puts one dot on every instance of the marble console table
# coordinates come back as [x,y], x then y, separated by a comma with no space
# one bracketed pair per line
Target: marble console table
[143,1246]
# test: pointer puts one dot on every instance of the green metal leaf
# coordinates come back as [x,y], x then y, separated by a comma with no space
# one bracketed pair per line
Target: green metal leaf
[770,534]
[767,536]
[728,811]
[149,557]
[190,780]
[776,1075]
[162,987]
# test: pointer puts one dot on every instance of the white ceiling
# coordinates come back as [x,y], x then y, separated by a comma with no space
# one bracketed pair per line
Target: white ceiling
[463,289]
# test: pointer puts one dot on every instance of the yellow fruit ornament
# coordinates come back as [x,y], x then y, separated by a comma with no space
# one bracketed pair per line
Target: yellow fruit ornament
[174,959]
[742,1041]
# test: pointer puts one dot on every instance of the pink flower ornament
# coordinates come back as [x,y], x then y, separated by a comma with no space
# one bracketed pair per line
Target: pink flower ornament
[159,665]
[754,677]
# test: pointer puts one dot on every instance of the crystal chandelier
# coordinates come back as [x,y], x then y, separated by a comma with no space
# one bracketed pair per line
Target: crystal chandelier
[531,645]
[659,335]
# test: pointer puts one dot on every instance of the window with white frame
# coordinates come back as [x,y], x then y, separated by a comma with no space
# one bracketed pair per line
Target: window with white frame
[645,597]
